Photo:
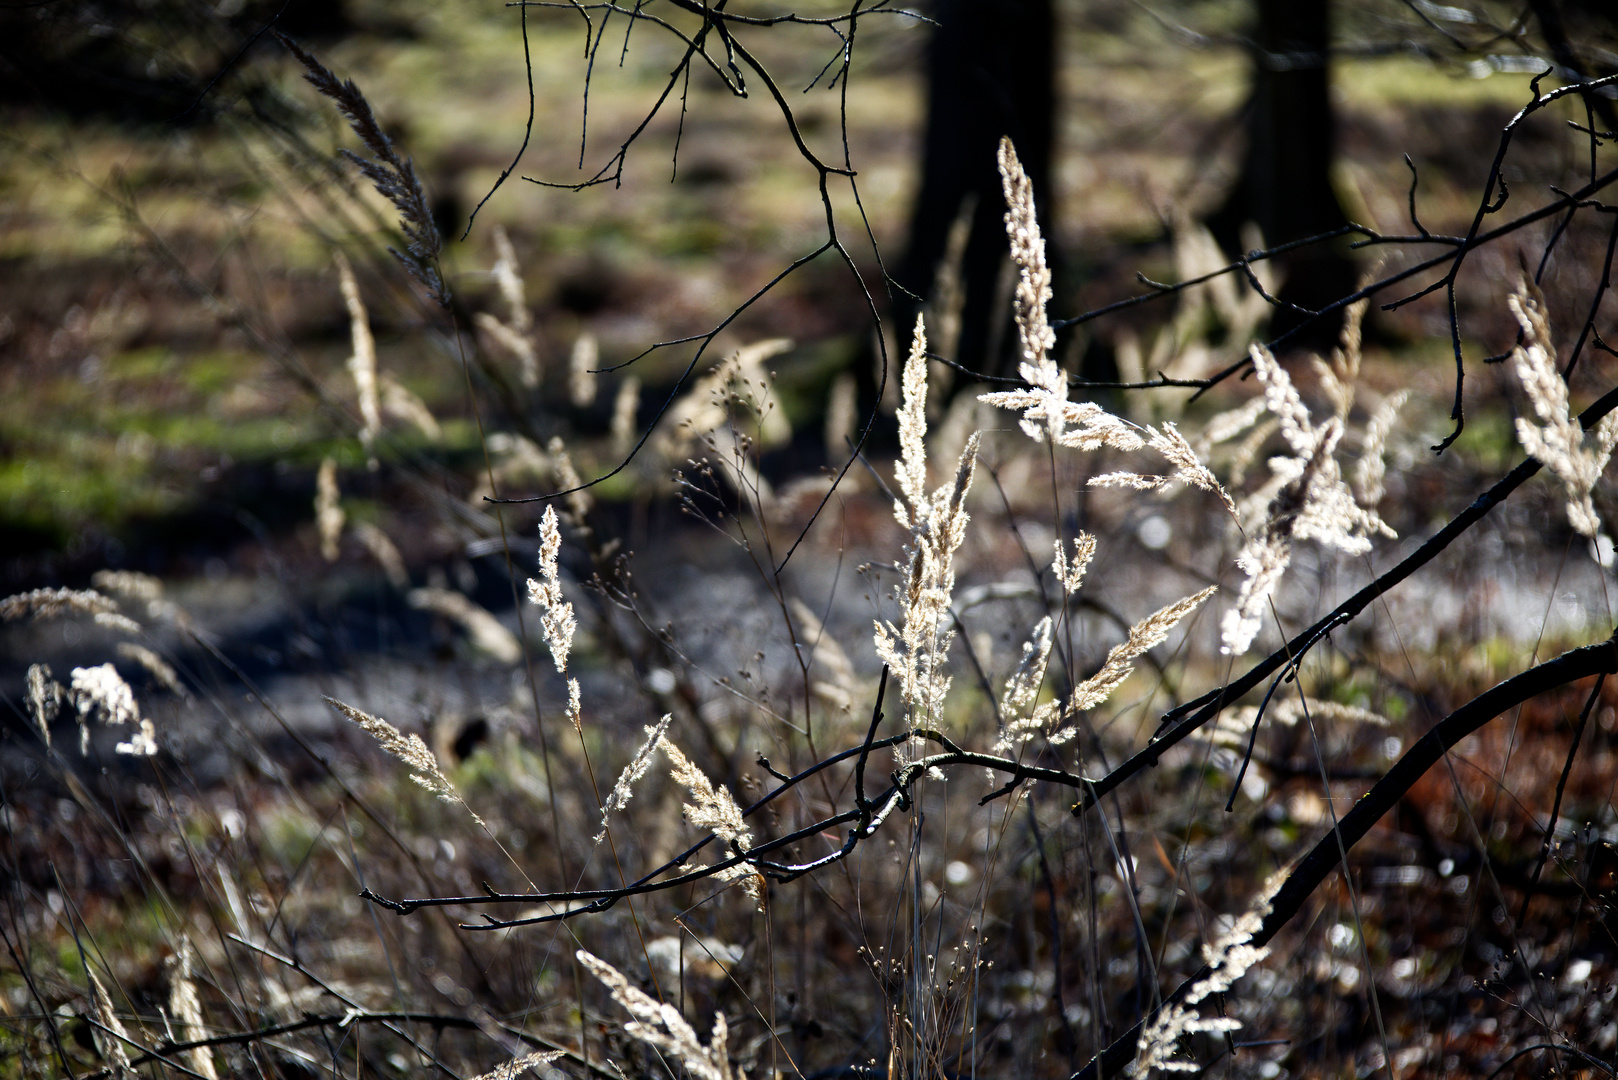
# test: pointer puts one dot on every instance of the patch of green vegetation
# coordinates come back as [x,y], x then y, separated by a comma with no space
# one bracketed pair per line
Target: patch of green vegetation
[287,834]
[1384,82]
[51,494]
[1490,441]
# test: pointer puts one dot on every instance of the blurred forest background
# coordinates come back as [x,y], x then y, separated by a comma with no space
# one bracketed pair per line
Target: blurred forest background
[178,401]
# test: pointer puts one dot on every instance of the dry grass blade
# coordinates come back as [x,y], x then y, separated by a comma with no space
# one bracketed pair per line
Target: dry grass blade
[362,362]
[383,550]
[186,1006]
[159,668]
[45,697]
[329,515]
[110,1035]
[487,632]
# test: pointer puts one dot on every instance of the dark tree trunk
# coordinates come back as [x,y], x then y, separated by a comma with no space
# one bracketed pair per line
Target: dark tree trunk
[1564,21]
[991,73]
[1285,183]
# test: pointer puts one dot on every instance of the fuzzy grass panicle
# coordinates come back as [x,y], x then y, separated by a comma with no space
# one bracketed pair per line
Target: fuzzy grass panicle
[410,749]
[1304,499]
[915,648]
[1230,956]
[393,176]
[660,1025]
[1555,438]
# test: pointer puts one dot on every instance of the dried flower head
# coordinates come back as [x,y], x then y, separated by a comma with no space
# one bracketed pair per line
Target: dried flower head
[402,403]
[1070,572]
[576,502]
[1234,726]
[100,692]
[514,334]
[129,584]
[1305,499]
[911,470]
[1222,427]
[143,743]
[1556,438]
[1372,466]
[1028,253]
[508,276]
[1046,411]
[1188,468]
[625,406]
[117,621]
[915,649]
[842,413]
[1023,717]
[738,384]
[712,809]
[132,585]
[835,682]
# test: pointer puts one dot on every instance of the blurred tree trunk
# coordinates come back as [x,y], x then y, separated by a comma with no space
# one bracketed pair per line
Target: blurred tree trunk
[1285,183]
[991,69]
[1561,21]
